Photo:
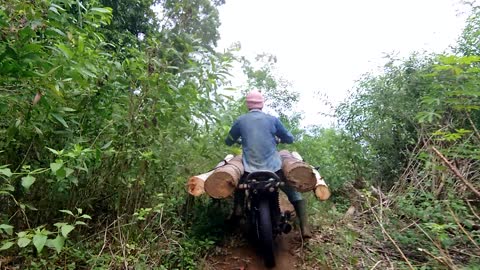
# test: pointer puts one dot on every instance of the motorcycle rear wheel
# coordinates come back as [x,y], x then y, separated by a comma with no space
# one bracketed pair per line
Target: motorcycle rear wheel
[265,233]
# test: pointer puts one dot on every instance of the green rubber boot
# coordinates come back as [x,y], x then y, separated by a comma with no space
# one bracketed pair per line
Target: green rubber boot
[301,210]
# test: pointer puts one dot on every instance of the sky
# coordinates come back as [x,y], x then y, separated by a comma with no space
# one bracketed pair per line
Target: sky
[323,47]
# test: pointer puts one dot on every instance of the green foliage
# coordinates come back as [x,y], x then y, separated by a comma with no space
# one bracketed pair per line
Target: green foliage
[109,108]
[41,237]
[468,41]
[198,18]
[136,17]
[278,92]
[340,159]
[395,118]
[381,115]
[94,117]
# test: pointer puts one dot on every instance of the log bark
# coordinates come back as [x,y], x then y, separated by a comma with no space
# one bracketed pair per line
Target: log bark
[224,180]
[299,174]
[196,184]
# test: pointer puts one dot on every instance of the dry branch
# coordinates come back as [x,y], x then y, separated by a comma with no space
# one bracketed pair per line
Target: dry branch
[445,260]
[456,172]
[463,229]
[393,241]
[473,125]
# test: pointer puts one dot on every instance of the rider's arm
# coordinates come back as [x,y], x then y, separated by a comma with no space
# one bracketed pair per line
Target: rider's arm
[233,135]
[282,133]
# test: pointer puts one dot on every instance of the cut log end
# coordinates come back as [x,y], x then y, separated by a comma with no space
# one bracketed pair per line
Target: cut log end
[322,193]
[220,185]
[299,174]
[302,178]
[195,186]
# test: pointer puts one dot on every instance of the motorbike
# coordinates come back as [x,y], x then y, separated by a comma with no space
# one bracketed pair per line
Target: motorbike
[264,218]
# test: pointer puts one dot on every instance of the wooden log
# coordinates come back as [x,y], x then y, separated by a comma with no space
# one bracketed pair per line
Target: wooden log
[224,180]
[322,192]
[299,174]
[195,184]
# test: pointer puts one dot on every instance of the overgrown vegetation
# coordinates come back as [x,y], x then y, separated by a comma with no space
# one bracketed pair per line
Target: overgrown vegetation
[107,108]
[415,128]
[99,128]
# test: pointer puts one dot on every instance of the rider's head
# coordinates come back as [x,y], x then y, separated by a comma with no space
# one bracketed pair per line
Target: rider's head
[254,100]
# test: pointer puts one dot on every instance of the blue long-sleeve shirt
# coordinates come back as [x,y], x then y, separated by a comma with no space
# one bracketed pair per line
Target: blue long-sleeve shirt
[258,130]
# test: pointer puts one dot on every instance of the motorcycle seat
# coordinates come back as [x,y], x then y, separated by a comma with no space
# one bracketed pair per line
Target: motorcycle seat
[263,176]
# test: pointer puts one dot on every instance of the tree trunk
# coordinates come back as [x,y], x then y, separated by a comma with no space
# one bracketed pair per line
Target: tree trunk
[224,180]
[195,184]
[299,174]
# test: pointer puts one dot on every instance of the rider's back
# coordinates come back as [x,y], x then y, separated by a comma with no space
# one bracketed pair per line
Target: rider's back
[258,131]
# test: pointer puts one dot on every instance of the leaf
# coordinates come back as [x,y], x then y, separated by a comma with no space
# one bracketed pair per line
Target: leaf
[58,153]
[67,109]
[67,212]
[23,242]
[27,181]
[56,243]
[38,131]
[61,173]
[6,171]
[31,207]
[86,72]
[59,224]
[39,241]
[55,167]
[105,146]
[101,10]
[68,172]
[81,5]
[60,119]
[8,187]
[74,180]
[81,223]
[86,216]
[66,229]
[6,245]
[7,228]
[57,6]
[65,50]
[58,31]
[51,71]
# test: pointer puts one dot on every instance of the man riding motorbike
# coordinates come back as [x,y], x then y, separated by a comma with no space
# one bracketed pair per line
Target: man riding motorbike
[259,132]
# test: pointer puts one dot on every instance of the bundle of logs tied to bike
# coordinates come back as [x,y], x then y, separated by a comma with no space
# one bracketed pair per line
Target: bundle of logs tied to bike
[222,181]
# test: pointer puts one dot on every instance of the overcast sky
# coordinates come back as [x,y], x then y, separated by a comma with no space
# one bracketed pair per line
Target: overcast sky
[324,46]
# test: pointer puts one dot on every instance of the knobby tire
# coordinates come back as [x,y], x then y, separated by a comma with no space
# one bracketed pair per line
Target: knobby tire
[265,233]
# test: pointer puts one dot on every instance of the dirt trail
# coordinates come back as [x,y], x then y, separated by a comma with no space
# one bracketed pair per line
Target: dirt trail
[243,256]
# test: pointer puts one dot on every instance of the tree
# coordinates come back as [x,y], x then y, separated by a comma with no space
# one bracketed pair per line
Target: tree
[381,114]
